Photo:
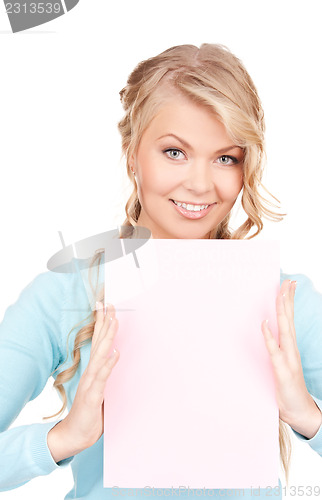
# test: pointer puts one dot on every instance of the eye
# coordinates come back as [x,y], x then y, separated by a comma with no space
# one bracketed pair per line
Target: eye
[227,160]
[174,153]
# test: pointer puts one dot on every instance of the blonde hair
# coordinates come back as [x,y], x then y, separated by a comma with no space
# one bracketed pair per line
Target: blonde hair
[213,77]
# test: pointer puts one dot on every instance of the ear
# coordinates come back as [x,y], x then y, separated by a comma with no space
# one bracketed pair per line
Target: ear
[132,161]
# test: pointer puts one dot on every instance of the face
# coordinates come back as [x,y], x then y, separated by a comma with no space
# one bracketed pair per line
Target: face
[188,171]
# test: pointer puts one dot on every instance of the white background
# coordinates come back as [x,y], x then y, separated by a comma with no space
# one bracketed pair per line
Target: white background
[60,150]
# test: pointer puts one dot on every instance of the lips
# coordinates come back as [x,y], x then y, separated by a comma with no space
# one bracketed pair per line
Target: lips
[190,214]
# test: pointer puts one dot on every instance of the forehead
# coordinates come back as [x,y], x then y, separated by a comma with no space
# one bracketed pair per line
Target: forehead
[180,116]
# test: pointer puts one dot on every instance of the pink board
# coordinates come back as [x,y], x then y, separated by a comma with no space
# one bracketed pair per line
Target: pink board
[191,400]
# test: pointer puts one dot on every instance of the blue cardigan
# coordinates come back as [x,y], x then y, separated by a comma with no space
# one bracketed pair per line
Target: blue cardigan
[33,339]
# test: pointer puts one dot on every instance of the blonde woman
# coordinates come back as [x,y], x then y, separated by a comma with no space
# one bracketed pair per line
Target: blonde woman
[193,139]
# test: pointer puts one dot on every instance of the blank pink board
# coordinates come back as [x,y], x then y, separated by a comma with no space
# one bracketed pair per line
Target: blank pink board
[191,400]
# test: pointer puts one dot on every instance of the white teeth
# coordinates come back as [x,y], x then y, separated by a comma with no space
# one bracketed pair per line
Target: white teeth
[194,208]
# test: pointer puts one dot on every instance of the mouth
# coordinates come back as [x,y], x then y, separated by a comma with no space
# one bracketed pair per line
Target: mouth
[189,205]
[192,211]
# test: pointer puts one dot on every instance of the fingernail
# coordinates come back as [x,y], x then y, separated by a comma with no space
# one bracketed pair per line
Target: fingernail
[295,283]
[98,306]
[114,353]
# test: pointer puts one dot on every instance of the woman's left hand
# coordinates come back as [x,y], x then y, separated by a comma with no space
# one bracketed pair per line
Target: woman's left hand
[296,407]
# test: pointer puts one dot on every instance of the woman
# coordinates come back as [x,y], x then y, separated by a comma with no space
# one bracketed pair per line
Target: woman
[193,137]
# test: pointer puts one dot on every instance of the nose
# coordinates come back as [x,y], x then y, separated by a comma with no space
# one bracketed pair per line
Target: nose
[199,177]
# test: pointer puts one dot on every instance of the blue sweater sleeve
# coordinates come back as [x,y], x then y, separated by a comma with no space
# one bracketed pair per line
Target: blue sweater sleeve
[308,326]
[30,350]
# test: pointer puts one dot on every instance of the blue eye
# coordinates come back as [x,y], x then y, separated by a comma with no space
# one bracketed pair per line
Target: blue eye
[227,160]
[173,153]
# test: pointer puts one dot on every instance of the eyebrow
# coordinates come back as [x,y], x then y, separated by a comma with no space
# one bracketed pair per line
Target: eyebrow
[187,145]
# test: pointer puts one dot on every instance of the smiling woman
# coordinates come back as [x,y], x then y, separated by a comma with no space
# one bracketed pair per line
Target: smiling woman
[193,138]
[193,133]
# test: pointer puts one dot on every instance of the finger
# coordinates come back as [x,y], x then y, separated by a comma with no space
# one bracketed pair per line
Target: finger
[285,286]
[106,368]
[99,320]
[107,334]
[107,321]
[288,296]
[276,354]
[97,387]
[285,291]
[292,296]
[282,302]
[270,341]
[103,318]
[286,337]
[281,371]
[102,347]
[110,309]
[282,318]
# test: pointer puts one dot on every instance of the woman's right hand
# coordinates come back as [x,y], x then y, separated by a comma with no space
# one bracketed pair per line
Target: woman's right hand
[84,424]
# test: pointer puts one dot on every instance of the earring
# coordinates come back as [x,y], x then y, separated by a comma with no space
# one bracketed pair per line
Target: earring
[132,170]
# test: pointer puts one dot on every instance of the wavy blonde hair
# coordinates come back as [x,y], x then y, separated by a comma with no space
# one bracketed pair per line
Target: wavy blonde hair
[213,77]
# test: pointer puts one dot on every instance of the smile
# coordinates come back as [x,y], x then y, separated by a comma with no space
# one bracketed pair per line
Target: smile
[190,211]
[190,206]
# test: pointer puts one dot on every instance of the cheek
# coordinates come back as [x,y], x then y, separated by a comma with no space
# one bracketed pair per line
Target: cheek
[230,185]
[144,172]
[153,176]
